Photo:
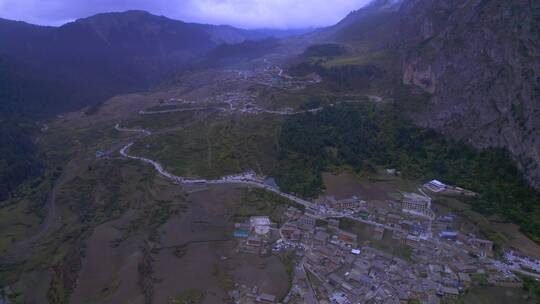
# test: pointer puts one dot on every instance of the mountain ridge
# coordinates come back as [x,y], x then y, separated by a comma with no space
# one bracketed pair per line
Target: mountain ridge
[478,61]
[91,59]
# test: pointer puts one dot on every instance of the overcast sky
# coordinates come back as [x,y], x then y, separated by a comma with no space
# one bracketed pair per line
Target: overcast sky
[240,13]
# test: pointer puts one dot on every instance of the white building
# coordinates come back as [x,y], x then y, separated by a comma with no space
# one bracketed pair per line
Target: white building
[260,224]
[435,186]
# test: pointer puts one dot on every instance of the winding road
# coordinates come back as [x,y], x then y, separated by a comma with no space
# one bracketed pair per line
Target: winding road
[246,178]
[143,112]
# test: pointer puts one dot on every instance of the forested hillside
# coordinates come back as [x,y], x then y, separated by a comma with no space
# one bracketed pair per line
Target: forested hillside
[366,137]
[19,155]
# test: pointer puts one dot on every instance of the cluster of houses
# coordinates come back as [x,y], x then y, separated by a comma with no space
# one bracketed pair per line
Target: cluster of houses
[524,262]
[436,271]
[304,229]
[253,295]
[372,276]
[337,265]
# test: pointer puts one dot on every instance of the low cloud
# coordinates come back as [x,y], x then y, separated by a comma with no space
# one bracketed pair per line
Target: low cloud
[240,13]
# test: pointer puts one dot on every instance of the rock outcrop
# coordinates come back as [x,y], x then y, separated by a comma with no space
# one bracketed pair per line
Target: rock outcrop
[479,60]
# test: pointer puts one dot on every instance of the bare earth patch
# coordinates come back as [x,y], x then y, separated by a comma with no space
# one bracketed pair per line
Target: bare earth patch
[108,274]
[345,185]
[268,274]
[198,253]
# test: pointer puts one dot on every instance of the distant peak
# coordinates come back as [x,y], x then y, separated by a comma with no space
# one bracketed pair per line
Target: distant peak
[135,12]
[131,14]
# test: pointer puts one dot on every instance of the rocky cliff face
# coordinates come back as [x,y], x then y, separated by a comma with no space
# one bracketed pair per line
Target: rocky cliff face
[480,60]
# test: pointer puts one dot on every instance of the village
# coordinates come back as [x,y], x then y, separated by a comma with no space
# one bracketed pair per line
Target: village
[228,97]
[352,251]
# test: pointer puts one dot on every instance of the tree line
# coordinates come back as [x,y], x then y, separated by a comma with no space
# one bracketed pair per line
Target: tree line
[365,136]
[19,155]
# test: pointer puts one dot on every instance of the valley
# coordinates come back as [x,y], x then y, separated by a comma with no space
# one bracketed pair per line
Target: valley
[246,168]
[160,181]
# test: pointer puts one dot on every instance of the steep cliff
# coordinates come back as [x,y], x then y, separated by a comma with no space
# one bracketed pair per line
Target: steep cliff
[477,60]
[480,60]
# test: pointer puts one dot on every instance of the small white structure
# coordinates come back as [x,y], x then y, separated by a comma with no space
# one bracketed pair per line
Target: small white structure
[391,171]
[260,224]
[436,186]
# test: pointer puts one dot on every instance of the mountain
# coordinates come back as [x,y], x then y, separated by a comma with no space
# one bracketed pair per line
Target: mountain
[46,70]
[49,70]
[475,63]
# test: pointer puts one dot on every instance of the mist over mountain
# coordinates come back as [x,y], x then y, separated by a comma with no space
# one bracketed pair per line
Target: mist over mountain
[47,70]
